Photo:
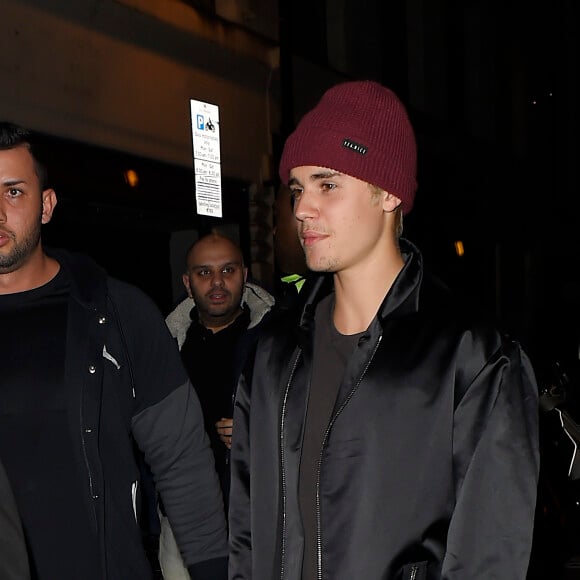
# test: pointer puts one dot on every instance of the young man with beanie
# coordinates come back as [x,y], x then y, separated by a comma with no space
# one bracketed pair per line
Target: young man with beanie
[393,435]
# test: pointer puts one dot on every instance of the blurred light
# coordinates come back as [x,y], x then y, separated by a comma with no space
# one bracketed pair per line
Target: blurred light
[131,178]
[459,250]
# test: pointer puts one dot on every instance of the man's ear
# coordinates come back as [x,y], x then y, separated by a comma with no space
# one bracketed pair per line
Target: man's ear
[245,274]
[48,204]
[185,279]
[390,202]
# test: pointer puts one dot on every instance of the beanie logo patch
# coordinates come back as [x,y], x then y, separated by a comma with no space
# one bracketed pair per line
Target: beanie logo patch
[356,147]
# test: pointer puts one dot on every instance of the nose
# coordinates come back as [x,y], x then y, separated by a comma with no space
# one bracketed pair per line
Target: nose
[305,206]
[218,279]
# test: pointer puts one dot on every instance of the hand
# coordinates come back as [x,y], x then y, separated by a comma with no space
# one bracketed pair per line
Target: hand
[224,429]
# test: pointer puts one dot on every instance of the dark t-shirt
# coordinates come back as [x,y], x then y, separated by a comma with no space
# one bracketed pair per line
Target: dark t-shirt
[36,442]
[332,351]
[211,361]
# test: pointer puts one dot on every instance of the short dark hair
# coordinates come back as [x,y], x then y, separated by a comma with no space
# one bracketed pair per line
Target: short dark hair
[12,136]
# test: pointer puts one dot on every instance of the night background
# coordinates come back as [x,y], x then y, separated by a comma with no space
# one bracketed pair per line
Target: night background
[498,149]
[492,91]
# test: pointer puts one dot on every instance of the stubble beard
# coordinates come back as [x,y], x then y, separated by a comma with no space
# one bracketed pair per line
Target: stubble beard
[21,251]
[209,313]
[323,264]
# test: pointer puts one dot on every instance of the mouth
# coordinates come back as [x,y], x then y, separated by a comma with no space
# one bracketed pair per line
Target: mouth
[310,237]
[4,238]
[217,296]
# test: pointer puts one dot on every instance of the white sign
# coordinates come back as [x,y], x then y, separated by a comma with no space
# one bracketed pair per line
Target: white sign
[206,158]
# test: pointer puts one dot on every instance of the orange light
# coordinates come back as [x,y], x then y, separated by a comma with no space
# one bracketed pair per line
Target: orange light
[459,249]
[131,178]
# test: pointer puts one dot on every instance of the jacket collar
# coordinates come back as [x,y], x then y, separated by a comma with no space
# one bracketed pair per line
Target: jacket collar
[403,296]
[87,279]
[258,301]
[400,300]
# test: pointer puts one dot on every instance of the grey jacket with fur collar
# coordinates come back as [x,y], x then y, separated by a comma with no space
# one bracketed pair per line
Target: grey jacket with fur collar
[259,302]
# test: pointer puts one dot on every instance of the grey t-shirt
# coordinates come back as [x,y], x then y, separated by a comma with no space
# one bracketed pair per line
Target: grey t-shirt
[332,351]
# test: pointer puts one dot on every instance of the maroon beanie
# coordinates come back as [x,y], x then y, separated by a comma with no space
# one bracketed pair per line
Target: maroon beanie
[361,129]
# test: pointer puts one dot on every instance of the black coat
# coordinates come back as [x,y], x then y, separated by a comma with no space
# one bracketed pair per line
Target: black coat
[123,368]
[430,461]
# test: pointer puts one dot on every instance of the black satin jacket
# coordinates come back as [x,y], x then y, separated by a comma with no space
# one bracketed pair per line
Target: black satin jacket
[430,461]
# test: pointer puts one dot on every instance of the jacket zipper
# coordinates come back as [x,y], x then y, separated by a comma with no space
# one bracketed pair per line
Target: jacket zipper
[87,463]
[84,430]
[84,448]
[414,570]
[326,433]
[282,463]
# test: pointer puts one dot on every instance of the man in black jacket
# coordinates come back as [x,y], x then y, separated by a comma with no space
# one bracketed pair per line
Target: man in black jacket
[89,368]
[392,435]
[216,327]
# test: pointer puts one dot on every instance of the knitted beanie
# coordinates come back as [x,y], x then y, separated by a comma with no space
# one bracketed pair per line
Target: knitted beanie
[359,128]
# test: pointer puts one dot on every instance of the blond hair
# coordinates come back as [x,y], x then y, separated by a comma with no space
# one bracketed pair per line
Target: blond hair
[376,192]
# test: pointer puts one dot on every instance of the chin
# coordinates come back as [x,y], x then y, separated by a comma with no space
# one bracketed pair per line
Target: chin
[322,265]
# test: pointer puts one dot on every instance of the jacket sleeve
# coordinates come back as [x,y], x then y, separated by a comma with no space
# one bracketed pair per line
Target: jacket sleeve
[13,552]
[176,447]
[167,424]
[240,563]
[496,463]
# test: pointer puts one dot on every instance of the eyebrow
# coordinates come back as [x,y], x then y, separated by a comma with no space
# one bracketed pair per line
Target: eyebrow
[11,182]
[231,263]
[317,176]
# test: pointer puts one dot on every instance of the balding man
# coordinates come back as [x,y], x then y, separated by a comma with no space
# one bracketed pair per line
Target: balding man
[215,327]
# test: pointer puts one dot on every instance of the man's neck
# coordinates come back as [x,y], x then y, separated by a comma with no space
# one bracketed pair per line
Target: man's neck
[35,272]
[360,291]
